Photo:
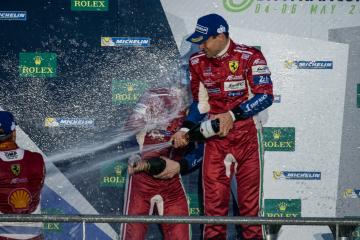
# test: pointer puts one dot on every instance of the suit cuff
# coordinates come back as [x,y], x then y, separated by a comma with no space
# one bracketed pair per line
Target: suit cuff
[184,167]
[238,113]
[188,124]
[232,116]
[184,129]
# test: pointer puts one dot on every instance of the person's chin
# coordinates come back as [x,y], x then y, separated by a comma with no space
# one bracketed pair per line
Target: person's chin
[209,55]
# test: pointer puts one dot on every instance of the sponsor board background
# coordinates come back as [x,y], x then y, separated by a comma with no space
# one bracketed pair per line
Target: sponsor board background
[320,105]
[322,138]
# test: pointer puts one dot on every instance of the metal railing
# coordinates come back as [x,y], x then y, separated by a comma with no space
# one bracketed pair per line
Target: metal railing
[341,227]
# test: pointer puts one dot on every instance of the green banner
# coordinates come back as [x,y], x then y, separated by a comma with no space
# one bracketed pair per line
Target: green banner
[113,175]
[52,226]
[279,139]
[127,91]
[37,64]
[195,207]
[356,234]
[90,5]
[282,208]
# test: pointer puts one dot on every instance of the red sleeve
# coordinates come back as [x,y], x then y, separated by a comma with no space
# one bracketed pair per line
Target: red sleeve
[259,75]
[194,79]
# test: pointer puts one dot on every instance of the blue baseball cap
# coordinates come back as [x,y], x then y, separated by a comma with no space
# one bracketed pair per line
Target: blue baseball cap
[207,26]
[7,124]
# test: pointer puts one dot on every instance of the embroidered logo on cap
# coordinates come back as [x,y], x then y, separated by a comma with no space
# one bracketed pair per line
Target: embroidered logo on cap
[198,39]
[201,29]
[221,29]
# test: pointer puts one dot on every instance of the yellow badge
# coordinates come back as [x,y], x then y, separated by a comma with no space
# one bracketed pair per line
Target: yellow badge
[233,65]
[20,199]
[198,39]
[15,169]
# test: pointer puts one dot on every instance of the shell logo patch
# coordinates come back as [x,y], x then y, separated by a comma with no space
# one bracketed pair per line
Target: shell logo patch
[20,199]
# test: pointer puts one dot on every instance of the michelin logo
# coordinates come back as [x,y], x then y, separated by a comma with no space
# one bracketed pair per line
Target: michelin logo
[13,15]
[351,193]
[314,65]
[288,175]
[309,64]
[68,122]
[125,42]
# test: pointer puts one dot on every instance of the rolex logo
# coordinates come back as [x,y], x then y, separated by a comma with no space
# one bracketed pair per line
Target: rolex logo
[276,134]
[37,60]
[118,170]
[282,206]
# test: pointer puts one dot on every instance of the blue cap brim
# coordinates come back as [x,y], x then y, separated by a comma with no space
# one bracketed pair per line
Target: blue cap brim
[197,38]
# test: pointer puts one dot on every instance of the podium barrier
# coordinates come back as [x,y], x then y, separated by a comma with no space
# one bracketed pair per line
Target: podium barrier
[341,228]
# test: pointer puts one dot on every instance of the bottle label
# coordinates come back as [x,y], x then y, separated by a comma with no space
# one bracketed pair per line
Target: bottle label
[206,129]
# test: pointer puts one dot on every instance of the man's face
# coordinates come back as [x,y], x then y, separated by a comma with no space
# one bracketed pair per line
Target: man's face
[213,45]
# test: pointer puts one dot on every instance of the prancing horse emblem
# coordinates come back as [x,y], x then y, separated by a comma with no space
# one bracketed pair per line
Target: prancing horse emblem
[233,65]
[15,169]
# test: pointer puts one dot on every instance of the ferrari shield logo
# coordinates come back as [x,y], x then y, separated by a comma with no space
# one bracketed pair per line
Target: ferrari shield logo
[233,65]
[15,169]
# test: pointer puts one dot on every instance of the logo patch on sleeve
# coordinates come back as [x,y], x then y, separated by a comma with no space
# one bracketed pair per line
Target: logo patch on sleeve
[260,70]
[262,79]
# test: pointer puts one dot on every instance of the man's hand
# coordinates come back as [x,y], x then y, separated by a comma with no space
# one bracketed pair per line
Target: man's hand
[179,139]
[172,168]
[226,123]
[140,166]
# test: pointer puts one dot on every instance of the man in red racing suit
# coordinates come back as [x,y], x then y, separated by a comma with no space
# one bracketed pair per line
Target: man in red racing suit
[160,114]
[22,175]
[235,81]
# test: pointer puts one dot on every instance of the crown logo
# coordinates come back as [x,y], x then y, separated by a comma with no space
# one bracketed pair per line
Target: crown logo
[282,206]
[37,60]
[276,134]
[20,199]
[130,87]
[118,170]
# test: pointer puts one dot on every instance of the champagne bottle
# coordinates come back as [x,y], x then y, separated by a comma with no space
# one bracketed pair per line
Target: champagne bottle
[156,166]
[153,166]
[204,130]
